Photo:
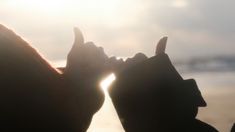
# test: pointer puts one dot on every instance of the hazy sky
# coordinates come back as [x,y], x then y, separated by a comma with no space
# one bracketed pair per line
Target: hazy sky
[125,27]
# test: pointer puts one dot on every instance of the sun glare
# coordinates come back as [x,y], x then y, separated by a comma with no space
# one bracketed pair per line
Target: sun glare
[107,82]
[179,3]
[37,5]
[68,7]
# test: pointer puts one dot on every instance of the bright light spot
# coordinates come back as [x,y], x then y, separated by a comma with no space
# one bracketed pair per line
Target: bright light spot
[106,119]
[107,82]
[86,13]
[69,7]
[59,63]
[179,3]
[48,6]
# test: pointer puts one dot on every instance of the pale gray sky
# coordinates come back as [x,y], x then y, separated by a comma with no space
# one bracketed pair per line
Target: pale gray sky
[125,27]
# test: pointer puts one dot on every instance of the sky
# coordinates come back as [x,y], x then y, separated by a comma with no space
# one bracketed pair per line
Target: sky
[196,28]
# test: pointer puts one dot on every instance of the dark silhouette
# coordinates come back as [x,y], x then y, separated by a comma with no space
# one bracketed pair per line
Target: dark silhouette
[233,128]
[34,96]
[150,95]
[84,71]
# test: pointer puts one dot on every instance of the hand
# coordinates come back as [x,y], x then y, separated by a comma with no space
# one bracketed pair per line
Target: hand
[83,73]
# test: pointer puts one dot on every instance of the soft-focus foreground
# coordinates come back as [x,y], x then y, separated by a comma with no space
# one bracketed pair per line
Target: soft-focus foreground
[216,87]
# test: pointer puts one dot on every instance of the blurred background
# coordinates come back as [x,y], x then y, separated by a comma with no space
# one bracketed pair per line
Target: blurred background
[201,35]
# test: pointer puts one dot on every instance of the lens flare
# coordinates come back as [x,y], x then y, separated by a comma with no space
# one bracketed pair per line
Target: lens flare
[107,82]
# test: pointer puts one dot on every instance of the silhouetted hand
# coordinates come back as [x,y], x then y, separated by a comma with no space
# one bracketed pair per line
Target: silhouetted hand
[150,95]
[35,97]
[84,70]
[118,65]
[85,58]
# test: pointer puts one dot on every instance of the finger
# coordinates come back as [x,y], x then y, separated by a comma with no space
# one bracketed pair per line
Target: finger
[161,46]
[79,39]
